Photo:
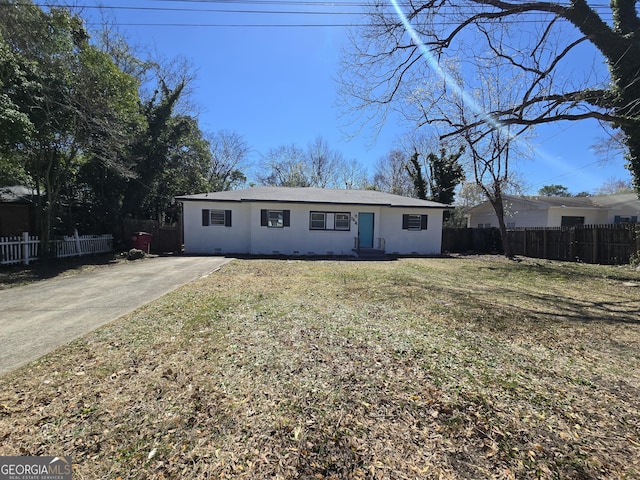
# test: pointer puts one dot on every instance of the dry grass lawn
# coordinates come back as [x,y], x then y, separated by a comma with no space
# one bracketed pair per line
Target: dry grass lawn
[465,368]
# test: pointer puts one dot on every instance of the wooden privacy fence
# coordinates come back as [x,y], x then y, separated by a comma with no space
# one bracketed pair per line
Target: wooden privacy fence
[26,248]
[166,238]
[471,240]
[612,244]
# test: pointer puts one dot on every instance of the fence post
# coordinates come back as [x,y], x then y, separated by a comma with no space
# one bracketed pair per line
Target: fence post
[572,239]
[77,239]
[25,248]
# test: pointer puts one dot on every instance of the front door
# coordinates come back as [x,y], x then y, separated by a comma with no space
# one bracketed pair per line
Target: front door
[365,230]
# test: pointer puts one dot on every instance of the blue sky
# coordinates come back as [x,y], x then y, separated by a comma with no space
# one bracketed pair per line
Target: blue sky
[277,85]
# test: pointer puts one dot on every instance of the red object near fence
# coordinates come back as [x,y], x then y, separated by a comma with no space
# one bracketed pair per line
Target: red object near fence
[142,241]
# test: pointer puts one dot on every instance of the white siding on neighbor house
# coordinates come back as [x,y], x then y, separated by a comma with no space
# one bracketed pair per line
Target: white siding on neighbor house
[246,235]
[517,214]
[521,214]
[621,212]
[543,212]
[591,216]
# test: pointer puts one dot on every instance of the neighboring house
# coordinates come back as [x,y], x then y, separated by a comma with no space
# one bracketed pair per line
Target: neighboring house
[541,211]
[310,221]
[16,211]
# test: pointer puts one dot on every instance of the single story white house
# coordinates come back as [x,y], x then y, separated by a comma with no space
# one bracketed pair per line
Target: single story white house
[541,211]
[310,221]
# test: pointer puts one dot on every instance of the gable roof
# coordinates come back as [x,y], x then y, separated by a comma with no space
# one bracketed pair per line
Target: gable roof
[16,194]
[600,202]
[313,195]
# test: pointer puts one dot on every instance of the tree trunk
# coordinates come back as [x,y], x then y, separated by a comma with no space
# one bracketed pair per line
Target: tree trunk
[632,141]
[498,207]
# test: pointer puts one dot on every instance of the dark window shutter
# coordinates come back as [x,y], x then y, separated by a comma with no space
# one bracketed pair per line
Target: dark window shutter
[423,222]
[616,219]
[263,218]
[205,218]
[286,218]
[405,221]
[227,218]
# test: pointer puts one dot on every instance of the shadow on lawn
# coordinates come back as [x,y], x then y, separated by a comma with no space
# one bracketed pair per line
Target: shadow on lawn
[14,275]
[621,309]
[556,270]
[549,307]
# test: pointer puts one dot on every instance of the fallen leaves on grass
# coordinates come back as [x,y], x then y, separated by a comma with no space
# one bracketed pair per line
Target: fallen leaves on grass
[348,370]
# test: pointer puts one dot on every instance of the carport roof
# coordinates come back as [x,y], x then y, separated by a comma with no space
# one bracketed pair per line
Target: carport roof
[312,195]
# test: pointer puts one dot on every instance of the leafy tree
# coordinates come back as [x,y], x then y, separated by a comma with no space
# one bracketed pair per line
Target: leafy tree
[414,169]
[12,170]
[74,103]
[170,156]
[554,191]
[400,57]
[445,174]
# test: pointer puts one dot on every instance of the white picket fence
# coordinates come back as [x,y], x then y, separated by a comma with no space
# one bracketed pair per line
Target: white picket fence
[26,248]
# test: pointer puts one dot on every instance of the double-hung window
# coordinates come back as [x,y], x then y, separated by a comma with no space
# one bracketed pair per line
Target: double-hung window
[275,218]
[342,221]
[412,221]
[318,221]
[216,217]
[330,221]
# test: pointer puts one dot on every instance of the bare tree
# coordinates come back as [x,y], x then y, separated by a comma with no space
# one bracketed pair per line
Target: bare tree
[391,174]
[323,162]
[494,150]
[352,175]
[229,154]
[490,159]
[613,186]
[285,166]
[398,61]
[318,166]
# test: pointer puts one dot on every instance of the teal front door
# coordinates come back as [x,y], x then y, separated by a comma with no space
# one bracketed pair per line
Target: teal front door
[365,230]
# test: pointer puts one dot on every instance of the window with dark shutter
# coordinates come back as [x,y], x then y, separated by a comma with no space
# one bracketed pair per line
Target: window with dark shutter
[216,217]
[411,221]
[275,218]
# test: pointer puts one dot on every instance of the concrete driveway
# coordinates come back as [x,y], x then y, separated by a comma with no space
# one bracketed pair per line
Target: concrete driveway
[37,318]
